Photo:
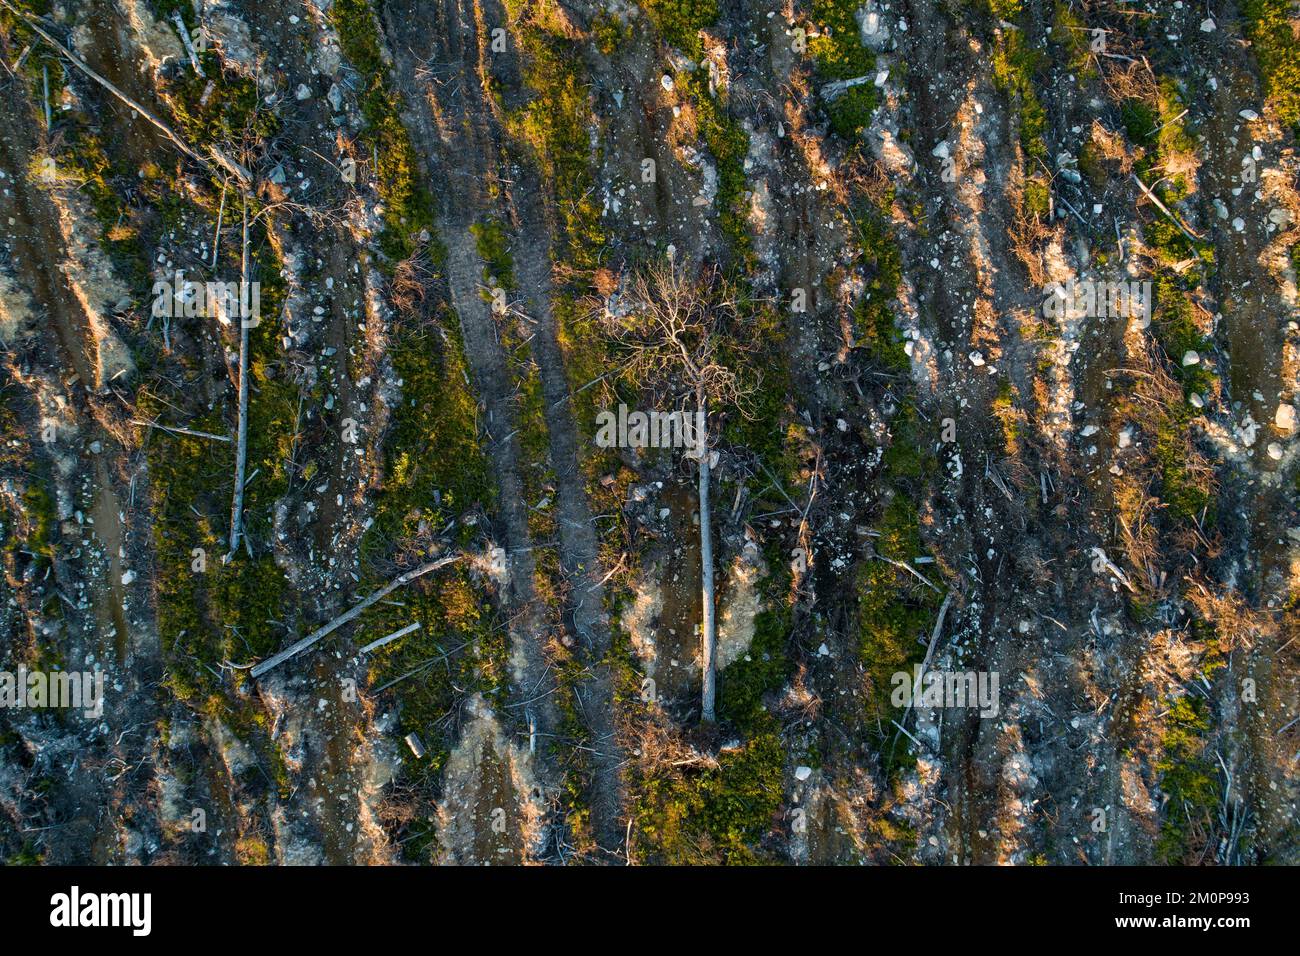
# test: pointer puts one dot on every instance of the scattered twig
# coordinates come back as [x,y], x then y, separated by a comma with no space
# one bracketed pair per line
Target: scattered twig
[216,236]
[181,431]
[910,570]
[189,44]
[1191,236]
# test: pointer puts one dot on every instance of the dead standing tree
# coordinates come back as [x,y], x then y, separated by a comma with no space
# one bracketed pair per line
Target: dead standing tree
[671,338]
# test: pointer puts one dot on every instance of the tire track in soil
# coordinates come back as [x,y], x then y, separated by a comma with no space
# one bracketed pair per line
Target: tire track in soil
[463,155]
[456,144]
[579,551]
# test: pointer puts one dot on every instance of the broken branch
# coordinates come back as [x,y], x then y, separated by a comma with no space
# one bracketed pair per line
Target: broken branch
[389,638]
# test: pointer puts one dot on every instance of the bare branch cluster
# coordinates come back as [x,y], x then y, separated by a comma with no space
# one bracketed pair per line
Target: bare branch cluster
[669,329]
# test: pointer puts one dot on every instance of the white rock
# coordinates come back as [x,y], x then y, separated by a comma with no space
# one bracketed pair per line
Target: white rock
[1197,401]
[1207,25]
[127,578]
[803,773]
[1285,417]
[976,359]
[1191,358]
[1274,451]
[666,82]
[303,92]
[1249,115]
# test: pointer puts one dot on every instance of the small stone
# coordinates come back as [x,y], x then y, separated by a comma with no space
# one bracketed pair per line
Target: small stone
[1285,418]
[1191,358]
[303,92]
[1274,451]
[667,83]
[803,773]
[1207,25]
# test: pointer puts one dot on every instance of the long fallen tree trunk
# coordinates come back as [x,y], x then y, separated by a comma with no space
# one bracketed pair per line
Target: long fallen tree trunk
[708,626]
[293,650]
[241,448]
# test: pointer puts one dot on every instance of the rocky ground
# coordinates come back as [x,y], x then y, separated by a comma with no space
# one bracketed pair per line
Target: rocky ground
[998,307]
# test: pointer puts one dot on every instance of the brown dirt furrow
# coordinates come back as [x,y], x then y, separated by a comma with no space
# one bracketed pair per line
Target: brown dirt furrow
[456,145]
[579,550]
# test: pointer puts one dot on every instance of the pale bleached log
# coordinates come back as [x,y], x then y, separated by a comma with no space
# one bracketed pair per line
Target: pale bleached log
[389,638]
[241,450]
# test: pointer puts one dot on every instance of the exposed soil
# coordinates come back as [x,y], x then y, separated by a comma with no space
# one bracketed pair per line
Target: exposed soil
[926,464]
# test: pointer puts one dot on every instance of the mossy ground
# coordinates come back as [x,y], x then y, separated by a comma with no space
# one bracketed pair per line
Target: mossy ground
[408,204]
[839,54]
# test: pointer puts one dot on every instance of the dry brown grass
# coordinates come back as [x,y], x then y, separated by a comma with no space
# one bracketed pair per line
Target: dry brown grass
[1126,80]
[1028,232]
[410,283]
[1111,147]
[1237,625]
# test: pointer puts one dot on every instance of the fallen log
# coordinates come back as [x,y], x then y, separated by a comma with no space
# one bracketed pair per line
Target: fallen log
[389,638]
[241,447]
[293,650]
[837,88]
